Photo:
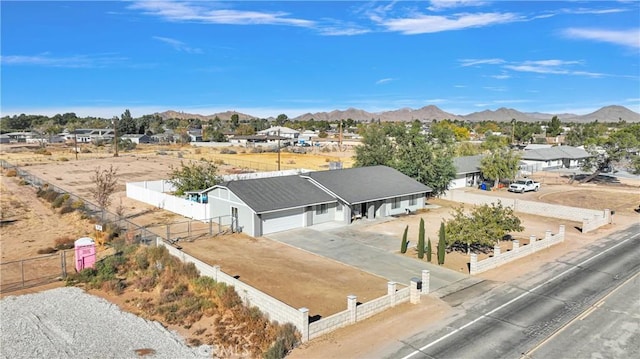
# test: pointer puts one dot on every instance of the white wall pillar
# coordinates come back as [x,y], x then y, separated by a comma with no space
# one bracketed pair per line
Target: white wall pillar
[391,292]
[516,245]
[304,322]
[414,293]
[352,302]
[426,277]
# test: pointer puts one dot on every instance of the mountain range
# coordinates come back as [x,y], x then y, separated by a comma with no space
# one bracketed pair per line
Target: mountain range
[606,114]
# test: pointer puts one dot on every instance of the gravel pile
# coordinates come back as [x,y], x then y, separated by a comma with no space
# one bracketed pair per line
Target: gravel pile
[69,323]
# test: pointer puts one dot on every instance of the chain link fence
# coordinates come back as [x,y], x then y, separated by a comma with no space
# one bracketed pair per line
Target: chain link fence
[35,271]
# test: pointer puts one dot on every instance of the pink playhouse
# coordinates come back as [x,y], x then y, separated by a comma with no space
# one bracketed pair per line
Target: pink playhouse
[85,253]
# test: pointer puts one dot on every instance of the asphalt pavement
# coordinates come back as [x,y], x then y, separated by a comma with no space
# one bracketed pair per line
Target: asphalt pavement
[528,315]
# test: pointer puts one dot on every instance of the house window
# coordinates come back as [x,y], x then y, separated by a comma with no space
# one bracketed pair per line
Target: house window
[396,203]
[322,209]
[413,201]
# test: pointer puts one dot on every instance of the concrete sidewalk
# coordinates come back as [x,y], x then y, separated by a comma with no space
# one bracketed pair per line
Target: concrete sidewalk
[368,252]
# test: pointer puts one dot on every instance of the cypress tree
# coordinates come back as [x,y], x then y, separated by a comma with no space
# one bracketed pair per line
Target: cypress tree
[421,239]
[442,245]
[429,250]
[403,245]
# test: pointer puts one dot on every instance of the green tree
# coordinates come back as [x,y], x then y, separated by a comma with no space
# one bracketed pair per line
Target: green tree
[404,243]
[245,130]
[421,239]
[194,176]
[127,124]
[429,250]
[494,142]
[426,162]
[442,244]
[500,163]
[375,149]
[235,121]
[554,127]
[612,150]
[483,226]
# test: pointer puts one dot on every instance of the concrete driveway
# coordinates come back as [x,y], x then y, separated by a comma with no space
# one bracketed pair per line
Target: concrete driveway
[370,252]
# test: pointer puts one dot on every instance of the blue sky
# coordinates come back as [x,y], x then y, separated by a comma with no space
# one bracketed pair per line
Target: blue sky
[265,58]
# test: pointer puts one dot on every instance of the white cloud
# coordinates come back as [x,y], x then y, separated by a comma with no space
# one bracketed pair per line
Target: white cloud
[475,62]
[178,45]
[383,81]
[183,11]
[554,67]
[437,5]
[423,24]
[75,61]
[629,38]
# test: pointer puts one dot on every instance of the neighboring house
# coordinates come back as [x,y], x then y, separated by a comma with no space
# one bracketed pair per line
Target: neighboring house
[21,136]
[267,205]
[280,131]
[555,157]
[5,139]
[87,135]
[254,140]
[195,135]
[138,139]
[468,172]
[536,146]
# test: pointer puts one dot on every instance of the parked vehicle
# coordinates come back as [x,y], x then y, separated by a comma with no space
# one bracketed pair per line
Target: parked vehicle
[524,185]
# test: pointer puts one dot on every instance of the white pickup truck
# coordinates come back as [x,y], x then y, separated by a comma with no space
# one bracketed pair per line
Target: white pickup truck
[524,185]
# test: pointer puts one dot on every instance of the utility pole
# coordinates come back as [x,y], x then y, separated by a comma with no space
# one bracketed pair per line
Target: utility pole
[75,143]
[115,134]
[278,149]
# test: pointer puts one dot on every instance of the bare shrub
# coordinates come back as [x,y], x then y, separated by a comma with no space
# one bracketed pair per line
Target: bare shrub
[66,242]
[11,173]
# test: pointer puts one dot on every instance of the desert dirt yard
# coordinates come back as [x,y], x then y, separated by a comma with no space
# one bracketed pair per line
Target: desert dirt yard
[305,279]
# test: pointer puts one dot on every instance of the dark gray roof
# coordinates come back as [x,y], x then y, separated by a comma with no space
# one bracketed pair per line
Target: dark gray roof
[364,184]
[467,164]
[278,193]
[556,153]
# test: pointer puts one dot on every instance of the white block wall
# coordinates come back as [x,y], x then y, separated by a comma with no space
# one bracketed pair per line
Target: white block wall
[152,192]
[275,309]
[499,259]
[531,207]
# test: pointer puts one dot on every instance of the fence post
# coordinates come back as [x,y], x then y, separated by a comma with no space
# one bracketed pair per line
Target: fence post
[210,226]
[189,228]
[168,233]
[22,272]
[63,263]
[351,307]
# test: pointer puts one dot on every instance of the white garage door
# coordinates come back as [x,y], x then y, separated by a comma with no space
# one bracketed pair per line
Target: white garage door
[282,221]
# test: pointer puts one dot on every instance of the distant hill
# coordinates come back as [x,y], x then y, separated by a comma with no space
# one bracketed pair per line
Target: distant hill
[431,112]
[606,114]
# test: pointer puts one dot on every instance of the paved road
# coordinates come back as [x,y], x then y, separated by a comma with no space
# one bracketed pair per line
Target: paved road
[370,252]
[512,319]
[610,329]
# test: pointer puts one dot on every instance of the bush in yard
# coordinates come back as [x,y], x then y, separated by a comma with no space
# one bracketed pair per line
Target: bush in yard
[421,239]
[11,173]
[404,244]
[66,242]
[442,244]
[429,250]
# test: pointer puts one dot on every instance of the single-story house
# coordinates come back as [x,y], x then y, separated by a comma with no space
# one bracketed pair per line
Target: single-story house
[5,139]
[137,138]
[86,135]
[254,140]
[555,157]
[266,205]
[468,173]
[280,131]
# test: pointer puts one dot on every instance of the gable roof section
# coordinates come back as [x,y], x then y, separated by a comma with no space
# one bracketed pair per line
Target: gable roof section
[366,184]
[278,193]
[467,164]
[556,153]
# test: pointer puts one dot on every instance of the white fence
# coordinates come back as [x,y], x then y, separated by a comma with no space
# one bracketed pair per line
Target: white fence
[153,193]
[276,309]
[591,219]
[516,252]
[283,313]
